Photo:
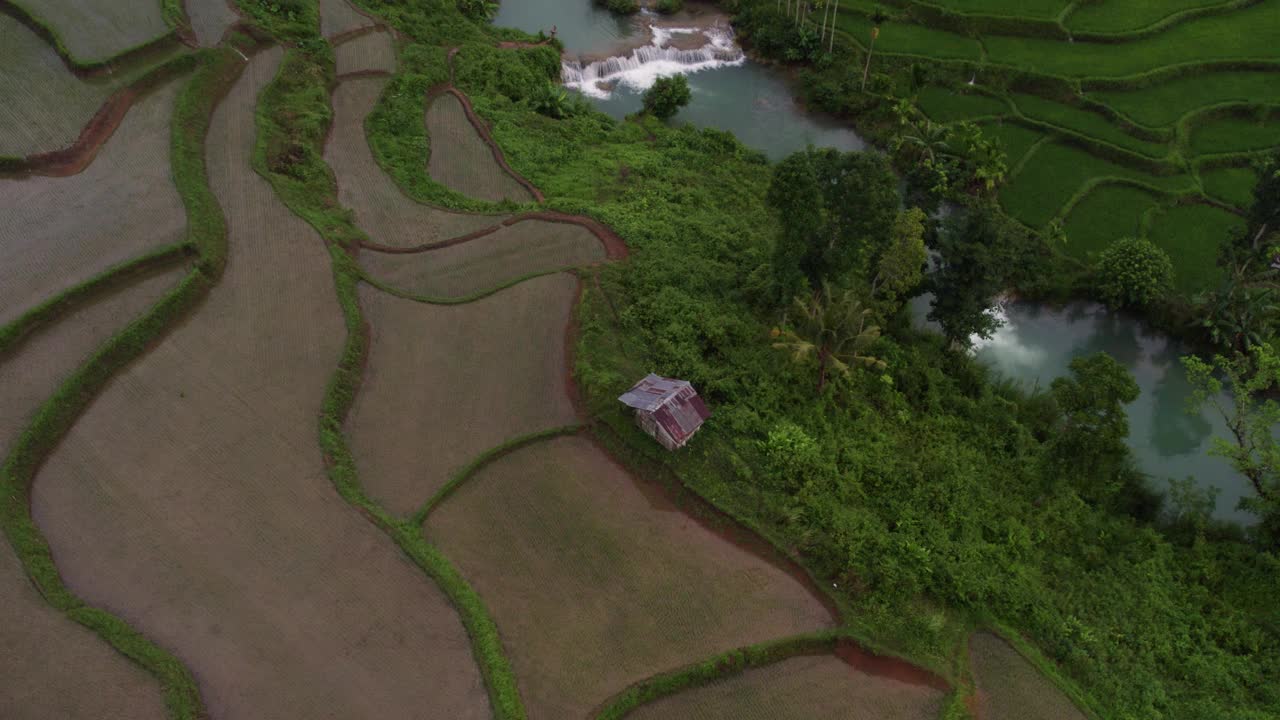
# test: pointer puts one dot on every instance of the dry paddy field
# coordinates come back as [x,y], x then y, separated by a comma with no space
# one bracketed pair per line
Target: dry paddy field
[191,498]
[460,158]
[801,688]
[1010,687]
[337,17]
[210,19]
[446,383]
[52,667]
[373,52]
[33,370]
[58,231]
[101,29]
[596,582]
[45,106]
[487,262]
[384,212]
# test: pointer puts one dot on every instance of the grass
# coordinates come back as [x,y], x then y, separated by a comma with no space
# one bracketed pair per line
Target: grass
[1057,172]
[1230,184]
[1089,124]
[1105,215]
[1191,235]
[905,38]
[1245,34]
[1112,17]
[945,106]
[1163,104]
[1005,8]
[1014,138]
[1235,134]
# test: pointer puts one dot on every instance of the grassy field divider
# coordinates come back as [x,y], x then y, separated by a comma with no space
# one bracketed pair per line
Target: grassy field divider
[293,113]
[17,330]
[206,232]
[1164,23]
[484,459]
[739,660]
[461,299]
[83,68]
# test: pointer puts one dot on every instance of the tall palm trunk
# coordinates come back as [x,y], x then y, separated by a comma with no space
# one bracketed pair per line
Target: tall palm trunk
[832,46]
[826,8]
[875,33]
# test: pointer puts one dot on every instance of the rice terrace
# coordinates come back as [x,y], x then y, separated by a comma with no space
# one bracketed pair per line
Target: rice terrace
[706,359]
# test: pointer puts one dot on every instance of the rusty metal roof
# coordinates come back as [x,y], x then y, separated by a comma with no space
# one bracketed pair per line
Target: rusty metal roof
[673,404]
[650,393]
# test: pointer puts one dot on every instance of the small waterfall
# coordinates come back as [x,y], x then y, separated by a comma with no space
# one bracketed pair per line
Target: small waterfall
[647,63]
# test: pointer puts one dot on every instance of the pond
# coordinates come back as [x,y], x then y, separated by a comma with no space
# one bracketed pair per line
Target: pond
[613,60]
[1036,344]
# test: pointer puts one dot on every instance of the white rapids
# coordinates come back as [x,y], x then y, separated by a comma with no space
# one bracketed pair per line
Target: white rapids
[645,64]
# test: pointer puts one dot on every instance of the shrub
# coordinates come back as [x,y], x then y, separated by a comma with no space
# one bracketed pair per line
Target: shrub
[624,7]
[669,7]
[667,96]
[1133,271]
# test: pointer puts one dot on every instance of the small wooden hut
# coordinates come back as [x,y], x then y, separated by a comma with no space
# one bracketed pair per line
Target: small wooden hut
[668,409]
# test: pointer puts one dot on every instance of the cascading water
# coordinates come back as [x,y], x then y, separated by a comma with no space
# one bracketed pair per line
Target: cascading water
[645,64]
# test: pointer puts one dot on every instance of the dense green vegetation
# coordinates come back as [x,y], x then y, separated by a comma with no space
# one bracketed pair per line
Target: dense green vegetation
[1143,96]
[932,496]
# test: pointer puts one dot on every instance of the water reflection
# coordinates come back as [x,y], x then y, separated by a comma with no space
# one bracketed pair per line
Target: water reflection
[1037,344]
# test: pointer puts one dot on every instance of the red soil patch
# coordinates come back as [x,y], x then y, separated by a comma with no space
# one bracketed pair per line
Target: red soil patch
[887,666]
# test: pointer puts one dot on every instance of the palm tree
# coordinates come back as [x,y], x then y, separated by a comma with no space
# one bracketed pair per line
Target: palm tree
[831,328]
[928,140]
[877,19]
[834,14]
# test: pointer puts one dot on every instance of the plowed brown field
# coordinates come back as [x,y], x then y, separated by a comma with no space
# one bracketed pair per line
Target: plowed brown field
[487,262]
[191,498]
[460,158]
[446,383]
[595,583]
[1010,687]
[57,232]
[382,210]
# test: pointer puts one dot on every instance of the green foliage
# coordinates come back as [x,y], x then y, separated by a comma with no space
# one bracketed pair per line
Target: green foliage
[295,21]
[481,10]
[792,458]
[837,212]
[1088,446]
[669,7]
[667,95]
[1133,272]
[1264,213]
[980,255]
[1252,417]
[830,328]
[622,7]
[901,266]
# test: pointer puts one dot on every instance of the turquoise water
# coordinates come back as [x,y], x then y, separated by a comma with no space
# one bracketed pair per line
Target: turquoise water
[751,100]
[1037,343]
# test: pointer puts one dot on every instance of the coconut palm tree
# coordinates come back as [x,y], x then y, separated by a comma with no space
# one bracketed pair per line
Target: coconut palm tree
[831,328]
[877,19]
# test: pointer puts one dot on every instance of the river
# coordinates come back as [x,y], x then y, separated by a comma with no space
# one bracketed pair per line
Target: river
[622,56]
